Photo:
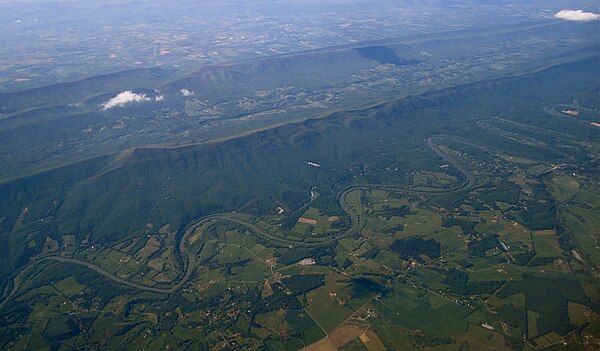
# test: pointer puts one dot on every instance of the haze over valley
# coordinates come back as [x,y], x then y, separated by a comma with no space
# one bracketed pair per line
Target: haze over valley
[300,175]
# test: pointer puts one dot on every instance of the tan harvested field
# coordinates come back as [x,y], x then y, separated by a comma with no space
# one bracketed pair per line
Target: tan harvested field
[571,112]
[321,345]
[196,236]
[164,229]
[129,247]
[156,264]
[151,247]
[339,337]
[344,334]
[548,339]
[19,221]
[371,341]
[307,221]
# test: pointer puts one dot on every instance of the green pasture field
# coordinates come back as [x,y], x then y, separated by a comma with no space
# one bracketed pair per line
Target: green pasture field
[325,307]
[587,196]
[432,180]
[393,336]
[564,187]
[580,315]
[421,223]
[23,342]
[69,287]
[413,308]
[301,322]
[583,223]
[253,270]
[38,342]
[545,243]
[532,324]
[522,182]
[479,338]
[287,345]
[315,214]
[589,286]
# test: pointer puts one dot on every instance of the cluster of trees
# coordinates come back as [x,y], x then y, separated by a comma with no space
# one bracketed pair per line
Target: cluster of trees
[538,215]
[300,284]
[504,192]
[401,211]
[279,300]
[522,258]
[549,299]
[414,246]
[468,227]
[458,282]
[363,286]
[429,341]
[478,248]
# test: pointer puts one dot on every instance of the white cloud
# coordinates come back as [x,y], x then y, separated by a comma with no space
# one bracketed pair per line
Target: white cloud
[159,98]
[577,15]
[124,98]
[186,92]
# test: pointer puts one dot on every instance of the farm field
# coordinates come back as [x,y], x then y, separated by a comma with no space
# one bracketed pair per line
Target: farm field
[460,219]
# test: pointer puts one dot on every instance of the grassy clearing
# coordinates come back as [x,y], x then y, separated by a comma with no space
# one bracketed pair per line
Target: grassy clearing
[580,314]
[392,335]
[420,223]
[254,270]
[429,180]
[515,300]
[479,338]
[58,326]
[411,307]
[69,287]
[111,260]
[321,220]
[545,243]
[584,224]
[287,345]
[38,342]
[587,196]
[590,287]
[564,187]
[532,325]
[547,339]
[325,306]
[22,343]
[274,322]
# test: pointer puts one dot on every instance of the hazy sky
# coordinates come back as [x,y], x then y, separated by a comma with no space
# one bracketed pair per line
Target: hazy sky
[56,40]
